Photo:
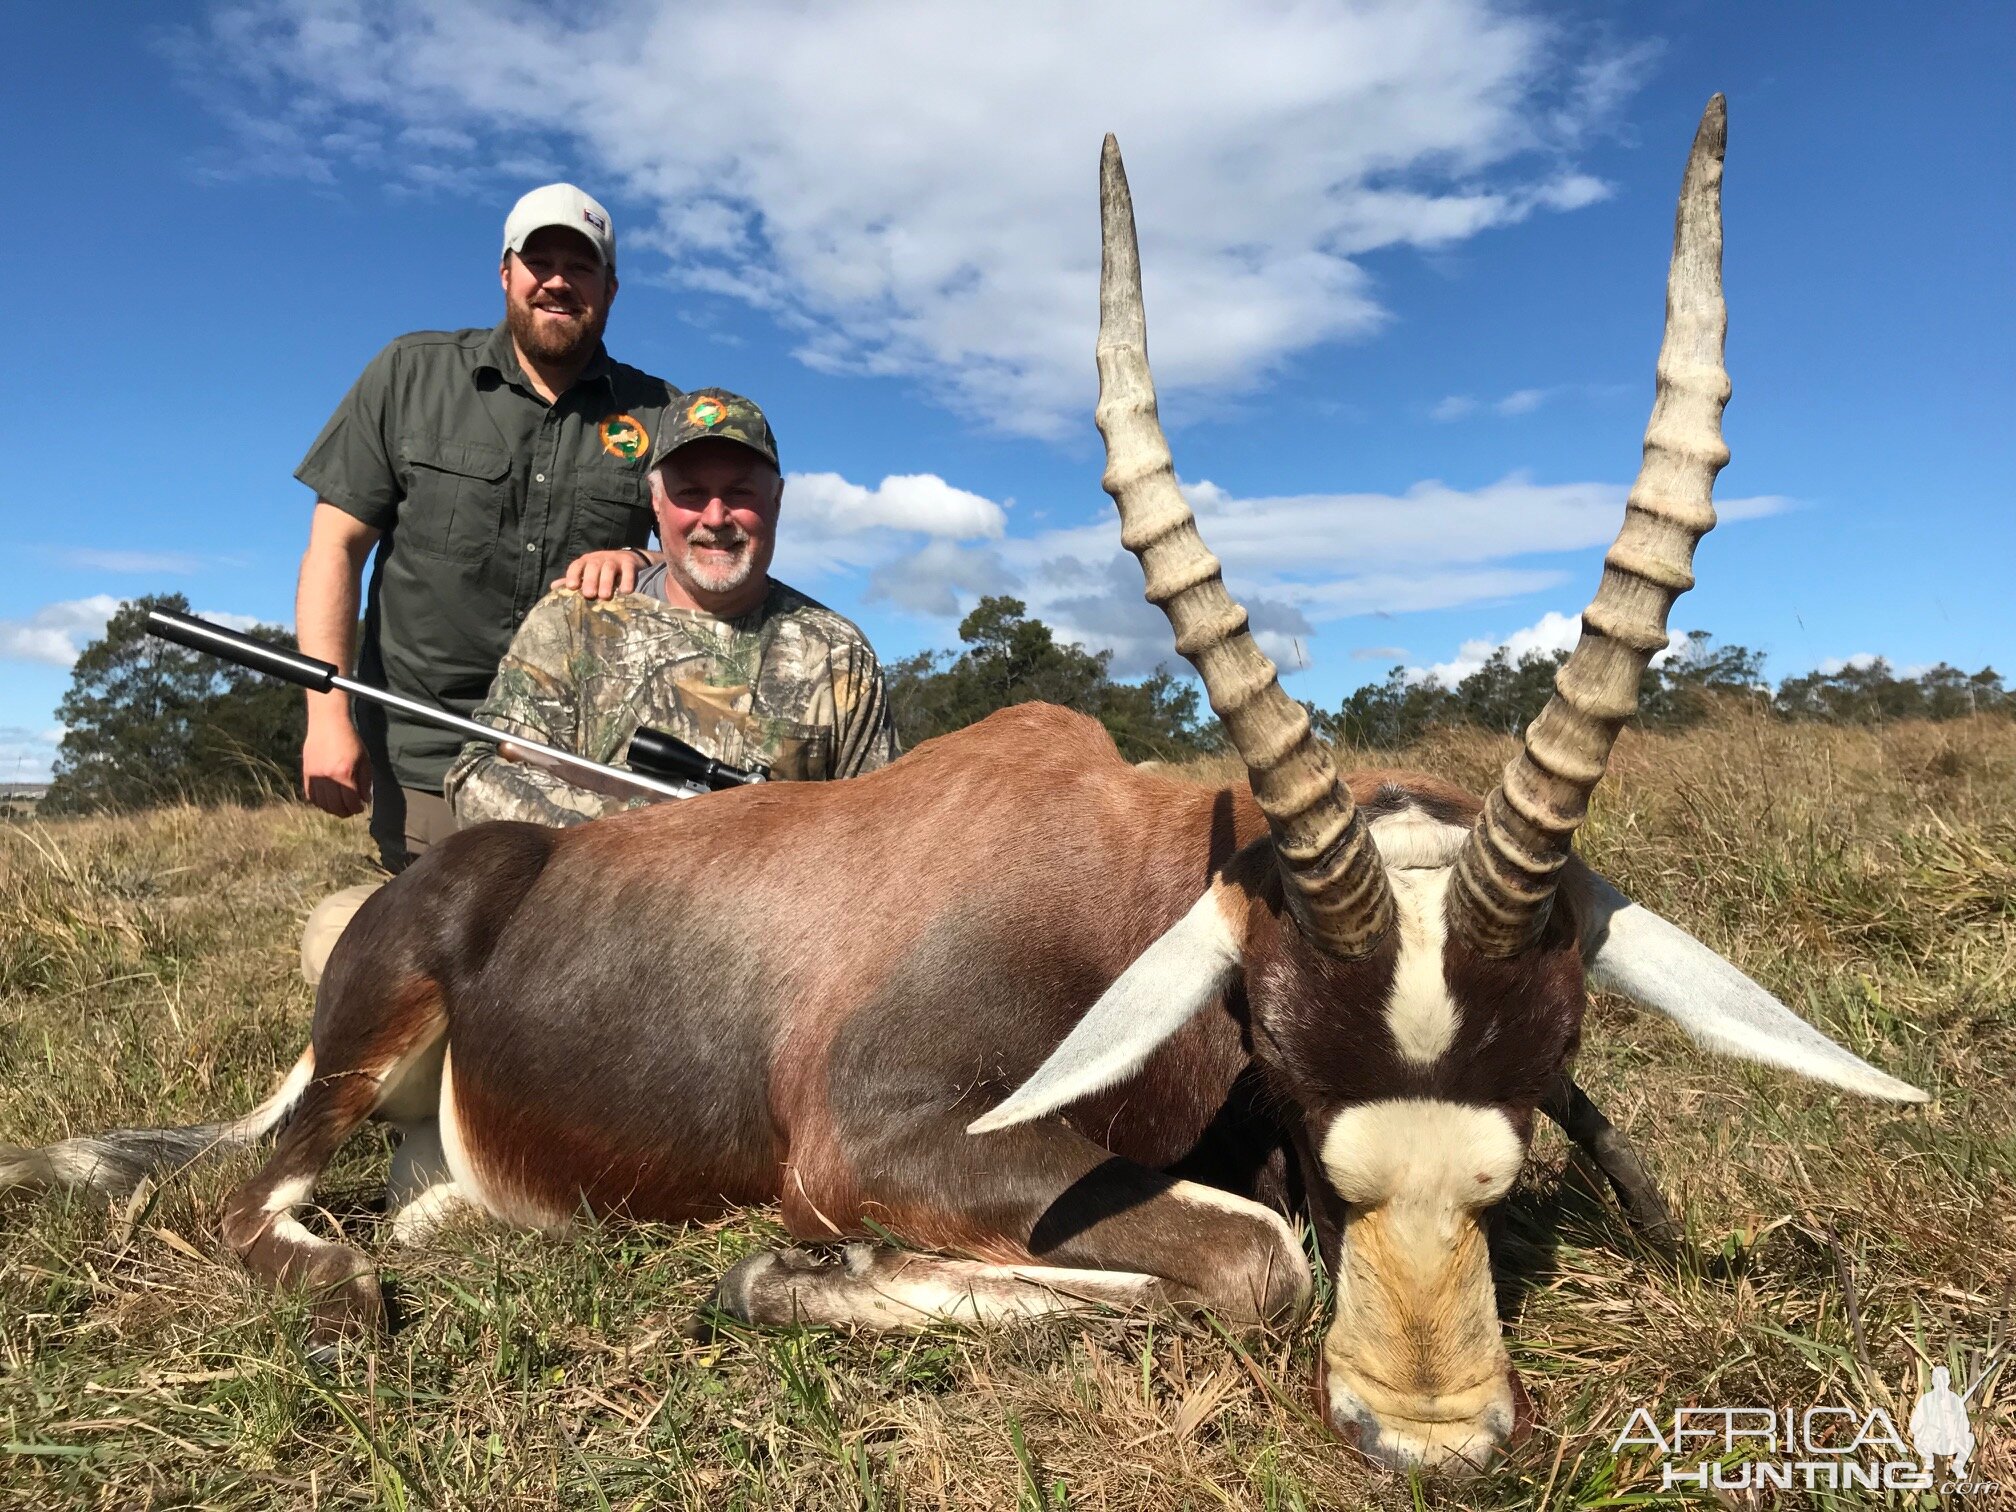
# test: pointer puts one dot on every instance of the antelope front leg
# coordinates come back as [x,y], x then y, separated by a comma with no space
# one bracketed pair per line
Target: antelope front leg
[1065,1227]
[1583,1122]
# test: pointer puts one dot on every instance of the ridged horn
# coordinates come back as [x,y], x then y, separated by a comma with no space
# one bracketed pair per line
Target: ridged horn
[1506,872]
[1335,885]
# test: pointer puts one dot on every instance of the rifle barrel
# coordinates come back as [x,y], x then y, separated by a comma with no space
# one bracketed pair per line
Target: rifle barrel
[321,677]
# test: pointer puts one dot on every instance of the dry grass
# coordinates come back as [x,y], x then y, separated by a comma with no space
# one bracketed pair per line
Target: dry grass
[1837,1247]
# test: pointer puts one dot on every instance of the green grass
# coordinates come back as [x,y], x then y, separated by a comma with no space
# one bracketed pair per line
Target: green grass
[1836,1248]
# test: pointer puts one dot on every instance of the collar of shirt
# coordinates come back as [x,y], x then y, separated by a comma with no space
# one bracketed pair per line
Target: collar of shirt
[651,584]
[501,357]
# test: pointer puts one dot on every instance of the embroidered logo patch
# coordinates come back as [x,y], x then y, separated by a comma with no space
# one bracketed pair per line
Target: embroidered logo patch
[623,437]
[595,220]
[706,413]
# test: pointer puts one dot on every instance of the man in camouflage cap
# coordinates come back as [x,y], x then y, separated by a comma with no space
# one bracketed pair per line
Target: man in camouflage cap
[709,647]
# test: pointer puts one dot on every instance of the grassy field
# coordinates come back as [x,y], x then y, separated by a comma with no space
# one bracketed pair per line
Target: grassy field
[1836,1248]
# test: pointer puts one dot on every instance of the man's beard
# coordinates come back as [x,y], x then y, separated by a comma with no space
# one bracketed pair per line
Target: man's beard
[716,577]
[555,341]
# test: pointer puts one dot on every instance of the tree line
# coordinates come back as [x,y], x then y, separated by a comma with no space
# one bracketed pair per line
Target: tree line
[148,722]
[1504,694]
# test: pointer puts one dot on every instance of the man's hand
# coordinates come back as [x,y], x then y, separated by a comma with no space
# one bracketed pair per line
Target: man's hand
[604,574]
[335,772]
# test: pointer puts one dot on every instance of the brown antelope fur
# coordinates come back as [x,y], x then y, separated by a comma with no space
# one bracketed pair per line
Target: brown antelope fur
[649,1016]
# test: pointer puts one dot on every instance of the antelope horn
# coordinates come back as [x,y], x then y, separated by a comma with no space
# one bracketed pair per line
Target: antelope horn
[1506,873]
[1335,885]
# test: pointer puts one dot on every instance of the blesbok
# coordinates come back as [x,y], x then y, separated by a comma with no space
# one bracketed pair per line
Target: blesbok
[1094,1031]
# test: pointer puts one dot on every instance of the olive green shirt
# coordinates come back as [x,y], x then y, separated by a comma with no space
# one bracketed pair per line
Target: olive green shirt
[485,493]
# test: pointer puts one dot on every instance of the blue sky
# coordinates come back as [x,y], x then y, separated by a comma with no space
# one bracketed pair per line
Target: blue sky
[1404,269]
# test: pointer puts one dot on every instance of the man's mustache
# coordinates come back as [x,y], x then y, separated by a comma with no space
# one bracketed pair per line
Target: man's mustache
[721,540]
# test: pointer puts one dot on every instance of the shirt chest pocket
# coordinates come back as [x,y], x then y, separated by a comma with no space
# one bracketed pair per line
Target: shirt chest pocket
[610,510]
[456,496]
[791,751]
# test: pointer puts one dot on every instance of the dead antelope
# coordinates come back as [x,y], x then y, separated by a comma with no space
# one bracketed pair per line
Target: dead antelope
[1092,1030]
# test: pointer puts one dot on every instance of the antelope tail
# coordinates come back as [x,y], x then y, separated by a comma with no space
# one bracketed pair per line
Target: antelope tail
[114,1163]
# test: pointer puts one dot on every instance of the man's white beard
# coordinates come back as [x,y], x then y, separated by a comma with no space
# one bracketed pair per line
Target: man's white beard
[714,577]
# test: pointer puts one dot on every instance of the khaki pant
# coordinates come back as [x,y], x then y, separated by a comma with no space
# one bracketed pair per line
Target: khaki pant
[427,821]
[405,822]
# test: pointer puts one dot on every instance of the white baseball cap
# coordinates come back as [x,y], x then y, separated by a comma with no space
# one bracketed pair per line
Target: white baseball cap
[561,205]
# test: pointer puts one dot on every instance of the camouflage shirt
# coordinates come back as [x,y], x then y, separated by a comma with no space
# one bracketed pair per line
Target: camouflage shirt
[792,687]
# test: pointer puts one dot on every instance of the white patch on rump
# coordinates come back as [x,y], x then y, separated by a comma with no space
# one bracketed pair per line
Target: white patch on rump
[1422,1151]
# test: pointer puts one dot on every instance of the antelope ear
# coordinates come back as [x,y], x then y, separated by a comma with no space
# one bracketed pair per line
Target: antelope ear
[1182,972]
[1633,952]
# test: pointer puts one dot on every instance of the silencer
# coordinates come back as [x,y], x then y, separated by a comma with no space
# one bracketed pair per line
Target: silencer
[245,650]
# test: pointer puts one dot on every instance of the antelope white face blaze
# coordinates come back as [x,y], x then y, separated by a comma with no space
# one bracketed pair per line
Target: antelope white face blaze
[1415,1368]
[1420,1014]
[1417,850]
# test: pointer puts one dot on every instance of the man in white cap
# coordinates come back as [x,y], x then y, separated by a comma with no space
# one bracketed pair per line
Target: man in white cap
[478,464]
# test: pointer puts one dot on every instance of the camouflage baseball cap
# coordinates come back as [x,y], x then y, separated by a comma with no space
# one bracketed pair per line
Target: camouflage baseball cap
[713,412]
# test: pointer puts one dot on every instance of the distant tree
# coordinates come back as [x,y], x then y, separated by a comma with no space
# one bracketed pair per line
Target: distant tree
[1500,695]
[147,722]
[1871,693]
[1386,715]
[1504,695]
[1011,659]
[1683,689]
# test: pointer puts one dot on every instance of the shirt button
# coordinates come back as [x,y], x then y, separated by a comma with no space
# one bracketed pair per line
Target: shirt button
[531,545]
[539,478]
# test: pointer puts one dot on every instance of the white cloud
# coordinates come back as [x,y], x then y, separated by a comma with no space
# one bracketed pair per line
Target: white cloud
[1862,661]
[98,560]
[1296,562]
[830,524]
[1519,402]
[1553,631]
[55,633]
[27,754]
[921,502]
[910,186]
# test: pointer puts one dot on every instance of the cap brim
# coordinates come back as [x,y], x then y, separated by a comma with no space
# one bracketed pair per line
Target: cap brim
[658,457]
[518,245]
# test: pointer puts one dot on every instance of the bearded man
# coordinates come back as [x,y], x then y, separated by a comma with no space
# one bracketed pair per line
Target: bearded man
[478,464]
[709,647]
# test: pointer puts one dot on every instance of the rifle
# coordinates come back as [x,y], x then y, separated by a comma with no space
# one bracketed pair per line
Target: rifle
[660,765]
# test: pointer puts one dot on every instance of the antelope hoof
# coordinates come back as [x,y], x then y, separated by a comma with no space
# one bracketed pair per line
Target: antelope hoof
[344,1308]
[759,1288]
